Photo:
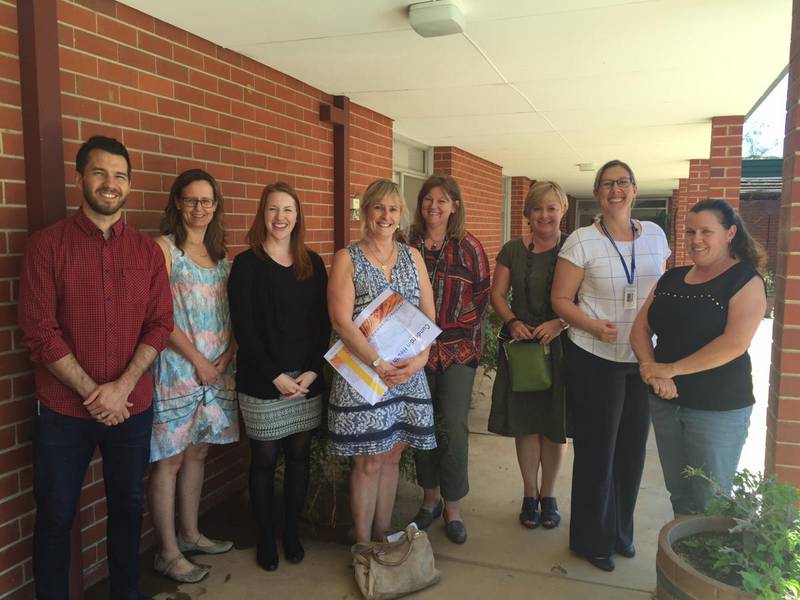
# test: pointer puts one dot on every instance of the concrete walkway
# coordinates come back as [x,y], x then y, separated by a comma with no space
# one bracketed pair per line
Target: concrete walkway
[501,559]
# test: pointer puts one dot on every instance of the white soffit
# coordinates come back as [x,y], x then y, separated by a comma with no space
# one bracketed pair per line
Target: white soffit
[535,86]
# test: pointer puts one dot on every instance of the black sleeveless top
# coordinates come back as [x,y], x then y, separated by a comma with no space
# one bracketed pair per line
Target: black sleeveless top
[686,317]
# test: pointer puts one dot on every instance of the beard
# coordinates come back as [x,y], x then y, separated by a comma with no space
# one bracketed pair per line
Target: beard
[101,208]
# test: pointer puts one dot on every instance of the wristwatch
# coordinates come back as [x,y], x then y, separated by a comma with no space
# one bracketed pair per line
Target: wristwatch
[376,362]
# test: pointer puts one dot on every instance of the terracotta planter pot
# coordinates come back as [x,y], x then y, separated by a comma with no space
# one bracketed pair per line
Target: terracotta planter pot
[677,580]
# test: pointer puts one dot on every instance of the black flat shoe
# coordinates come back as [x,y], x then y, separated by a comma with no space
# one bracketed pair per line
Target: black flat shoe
[550,515]
[293,551]
[267,553]
[627,551]
[604,563]
[455,531]
[425,516]
[529,515]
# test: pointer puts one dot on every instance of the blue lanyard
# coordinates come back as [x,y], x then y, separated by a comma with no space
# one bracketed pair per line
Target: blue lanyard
[629,275]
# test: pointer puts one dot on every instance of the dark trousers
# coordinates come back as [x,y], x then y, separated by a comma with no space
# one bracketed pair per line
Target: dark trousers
[63,447]
[446,465]
[611,420]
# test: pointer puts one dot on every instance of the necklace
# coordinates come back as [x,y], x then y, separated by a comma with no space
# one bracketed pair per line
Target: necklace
[383,263]
[435,244]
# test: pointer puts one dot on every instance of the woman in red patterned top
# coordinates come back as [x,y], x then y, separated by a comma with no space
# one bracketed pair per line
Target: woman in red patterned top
[459,272]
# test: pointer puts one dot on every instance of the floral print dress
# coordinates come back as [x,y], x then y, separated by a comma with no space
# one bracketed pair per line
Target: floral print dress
[185,411]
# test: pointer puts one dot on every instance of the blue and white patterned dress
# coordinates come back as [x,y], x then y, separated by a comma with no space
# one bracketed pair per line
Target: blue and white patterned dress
[184,411]
[404,414]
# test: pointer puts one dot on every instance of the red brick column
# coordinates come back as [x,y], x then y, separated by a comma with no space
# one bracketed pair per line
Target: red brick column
[696,190]
[481,184]
[519,189]
[783,418]
[679,211]
[725,164]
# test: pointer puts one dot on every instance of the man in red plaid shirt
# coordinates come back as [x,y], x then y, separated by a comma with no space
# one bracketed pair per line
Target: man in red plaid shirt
[95,309]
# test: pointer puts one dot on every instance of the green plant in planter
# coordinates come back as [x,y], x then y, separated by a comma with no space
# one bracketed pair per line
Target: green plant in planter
[764,546]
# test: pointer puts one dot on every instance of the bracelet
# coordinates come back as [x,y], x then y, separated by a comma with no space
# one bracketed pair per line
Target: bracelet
[564,324]
[510,321]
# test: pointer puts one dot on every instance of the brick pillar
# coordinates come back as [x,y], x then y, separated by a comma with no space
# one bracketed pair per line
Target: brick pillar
[725,164]
[519,189]
[694,189]
[679,222]
[783,418]
[481,184]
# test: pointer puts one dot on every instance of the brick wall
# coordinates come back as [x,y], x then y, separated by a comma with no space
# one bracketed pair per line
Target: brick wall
[16,380]
[177,101]
[519,189]
[783,417]
[760,213]
[370,153]
[725,159]
[481,185]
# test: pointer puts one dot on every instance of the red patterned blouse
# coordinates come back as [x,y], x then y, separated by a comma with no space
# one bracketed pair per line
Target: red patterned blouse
[459,274]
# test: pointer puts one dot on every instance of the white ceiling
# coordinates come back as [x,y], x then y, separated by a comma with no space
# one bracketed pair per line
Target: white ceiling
[536,86]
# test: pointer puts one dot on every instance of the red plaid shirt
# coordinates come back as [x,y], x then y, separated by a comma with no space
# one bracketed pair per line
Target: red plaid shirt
[98,299]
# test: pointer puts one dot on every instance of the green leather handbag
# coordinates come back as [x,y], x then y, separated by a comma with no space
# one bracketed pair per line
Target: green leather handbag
[529,364]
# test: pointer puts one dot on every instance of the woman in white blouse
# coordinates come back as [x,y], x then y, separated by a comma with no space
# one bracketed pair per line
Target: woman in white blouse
[610,266]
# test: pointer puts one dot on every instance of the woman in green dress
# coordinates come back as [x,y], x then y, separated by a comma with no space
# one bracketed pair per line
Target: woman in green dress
[536,420]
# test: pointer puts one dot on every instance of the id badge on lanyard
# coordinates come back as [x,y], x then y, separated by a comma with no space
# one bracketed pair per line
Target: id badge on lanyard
[629,292]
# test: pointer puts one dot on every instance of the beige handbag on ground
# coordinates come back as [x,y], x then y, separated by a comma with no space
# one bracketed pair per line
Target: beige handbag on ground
[386,570]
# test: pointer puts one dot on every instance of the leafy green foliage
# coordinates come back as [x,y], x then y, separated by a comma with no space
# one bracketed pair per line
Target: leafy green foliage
[491,327]
[769,282]
[764,544]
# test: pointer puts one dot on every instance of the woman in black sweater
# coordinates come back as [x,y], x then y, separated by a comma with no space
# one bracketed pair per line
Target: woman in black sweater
[280,319]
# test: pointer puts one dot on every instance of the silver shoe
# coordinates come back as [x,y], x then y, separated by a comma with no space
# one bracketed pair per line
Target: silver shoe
[166,568]
[216,546]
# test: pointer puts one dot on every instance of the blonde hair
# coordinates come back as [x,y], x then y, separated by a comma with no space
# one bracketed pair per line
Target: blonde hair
[457,222]
[377,191]
[539,191]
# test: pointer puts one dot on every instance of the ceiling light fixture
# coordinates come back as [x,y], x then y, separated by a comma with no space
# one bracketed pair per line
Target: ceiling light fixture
[585,166]
[436,18]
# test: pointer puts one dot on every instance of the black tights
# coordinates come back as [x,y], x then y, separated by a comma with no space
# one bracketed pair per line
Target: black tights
[263,458]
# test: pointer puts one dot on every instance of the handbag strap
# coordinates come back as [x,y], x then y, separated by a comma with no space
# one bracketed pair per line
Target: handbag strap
[376,550]
[550,273]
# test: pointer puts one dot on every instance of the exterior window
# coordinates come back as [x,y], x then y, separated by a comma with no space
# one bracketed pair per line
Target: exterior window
[645,209]
[413,164]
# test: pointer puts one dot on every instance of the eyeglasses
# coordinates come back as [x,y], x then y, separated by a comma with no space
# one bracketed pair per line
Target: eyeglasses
[623,183]
[193,202]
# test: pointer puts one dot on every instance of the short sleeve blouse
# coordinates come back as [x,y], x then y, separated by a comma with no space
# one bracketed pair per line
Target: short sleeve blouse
[600,295]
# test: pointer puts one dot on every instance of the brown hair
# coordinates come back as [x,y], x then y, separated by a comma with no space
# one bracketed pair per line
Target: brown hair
[457,222]
[742,246]
[257,235]
[172,221]
[537,193]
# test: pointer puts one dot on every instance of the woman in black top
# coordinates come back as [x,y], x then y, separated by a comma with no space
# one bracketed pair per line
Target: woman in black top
[277,292]
[705,317]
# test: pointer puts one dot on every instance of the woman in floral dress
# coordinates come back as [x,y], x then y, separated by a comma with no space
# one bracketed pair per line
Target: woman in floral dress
[193,399]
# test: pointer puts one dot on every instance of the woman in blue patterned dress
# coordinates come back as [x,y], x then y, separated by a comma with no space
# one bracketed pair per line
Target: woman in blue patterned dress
[193,399]
[375,435]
